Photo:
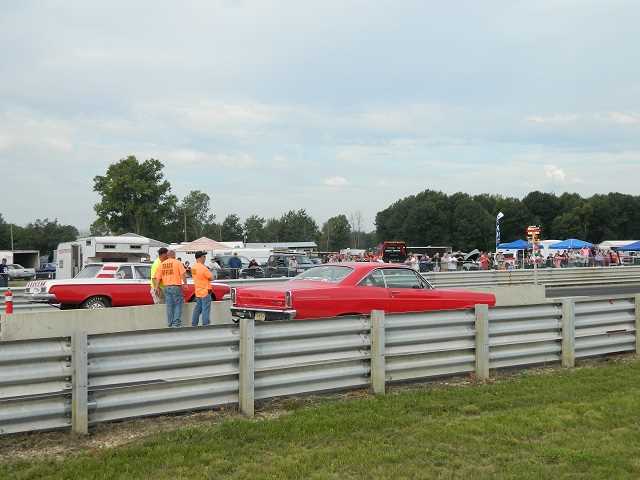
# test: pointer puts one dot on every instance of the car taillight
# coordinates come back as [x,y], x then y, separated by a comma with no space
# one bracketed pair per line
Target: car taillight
[288,299]
[233,295]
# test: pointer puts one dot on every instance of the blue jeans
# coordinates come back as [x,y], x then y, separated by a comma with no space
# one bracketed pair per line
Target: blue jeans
[203,305]
[174,300]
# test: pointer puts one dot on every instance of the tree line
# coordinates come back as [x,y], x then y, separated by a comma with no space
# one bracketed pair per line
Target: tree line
[43,235]
[136,197]
[466,222]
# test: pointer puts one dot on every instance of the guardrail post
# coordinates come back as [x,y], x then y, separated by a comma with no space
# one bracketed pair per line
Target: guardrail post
[378,366]
[568,333]
[482,342]
[247,366]
[637,304]
[80,380]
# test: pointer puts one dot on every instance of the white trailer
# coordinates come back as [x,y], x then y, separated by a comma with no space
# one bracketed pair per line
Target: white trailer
[71,257]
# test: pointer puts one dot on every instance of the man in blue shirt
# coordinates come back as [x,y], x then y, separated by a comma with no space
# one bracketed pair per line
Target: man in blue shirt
[235,264]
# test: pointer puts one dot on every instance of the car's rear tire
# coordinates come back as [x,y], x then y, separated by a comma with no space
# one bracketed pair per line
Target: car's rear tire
[95,303]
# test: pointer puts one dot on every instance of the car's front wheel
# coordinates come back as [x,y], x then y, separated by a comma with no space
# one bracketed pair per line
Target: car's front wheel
[96,302]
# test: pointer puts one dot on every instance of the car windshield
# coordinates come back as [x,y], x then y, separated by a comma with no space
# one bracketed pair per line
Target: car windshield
[303,260]
[90,271]
[329,273]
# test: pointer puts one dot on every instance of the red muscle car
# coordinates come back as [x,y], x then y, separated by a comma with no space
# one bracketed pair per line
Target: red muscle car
[102,285]
[332,290]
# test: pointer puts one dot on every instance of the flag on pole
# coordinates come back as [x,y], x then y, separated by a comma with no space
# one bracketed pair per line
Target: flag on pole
[498,217]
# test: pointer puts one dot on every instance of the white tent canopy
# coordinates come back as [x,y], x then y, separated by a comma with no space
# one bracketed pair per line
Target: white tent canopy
[203,244]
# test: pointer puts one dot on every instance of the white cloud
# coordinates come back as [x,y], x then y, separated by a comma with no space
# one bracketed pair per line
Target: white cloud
[555,119]
[194,157]
[554,173]
[336,182]
[624,118]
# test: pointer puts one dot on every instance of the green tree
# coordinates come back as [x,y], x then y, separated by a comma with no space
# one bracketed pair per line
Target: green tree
[45,235]
[272,231]
[135,197]
[254,228]
[336,234]
[544,208]
[298,226]
[196,214]
[232,228]
[474,226]
[5,234]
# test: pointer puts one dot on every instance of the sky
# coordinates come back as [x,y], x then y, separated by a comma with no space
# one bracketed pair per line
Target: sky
[334,106]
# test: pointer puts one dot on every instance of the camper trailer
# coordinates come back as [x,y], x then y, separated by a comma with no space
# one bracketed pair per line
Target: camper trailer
[71,257]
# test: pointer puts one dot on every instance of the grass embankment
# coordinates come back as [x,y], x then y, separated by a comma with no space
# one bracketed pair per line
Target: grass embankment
[580,423]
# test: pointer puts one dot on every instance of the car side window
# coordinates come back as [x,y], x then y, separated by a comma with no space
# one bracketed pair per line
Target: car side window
[143,271]
[402,278]
[124,273]
[374,279]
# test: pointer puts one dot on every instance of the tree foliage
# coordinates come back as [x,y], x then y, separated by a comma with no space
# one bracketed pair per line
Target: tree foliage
[465,222]
[196,214]
[336,234]
[231,228]
[43,235]
[134,197]
[254,229]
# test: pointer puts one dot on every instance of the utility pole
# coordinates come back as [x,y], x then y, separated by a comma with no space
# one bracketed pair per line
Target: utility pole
[185,226]
[11,230]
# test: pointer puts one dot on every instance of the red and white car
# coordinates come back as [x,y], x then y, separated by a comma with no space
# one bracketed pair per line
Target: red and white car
[333,290]
[103,285]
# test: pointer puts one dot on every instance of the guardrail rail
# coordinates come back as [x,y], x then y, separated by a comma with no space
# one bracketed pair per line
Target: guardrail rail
[87,379]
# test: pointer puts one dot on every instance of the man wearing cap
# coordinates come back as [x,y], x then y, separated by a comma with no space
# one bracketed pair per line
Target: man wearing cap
[202,281]
[173,276]
[156,293]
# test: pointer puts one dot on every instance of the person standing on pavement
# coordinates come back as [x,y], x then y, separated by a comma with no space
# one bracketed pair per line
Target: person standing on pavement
[4,273]
[202,281]
[172,274]
[235,264]
[162,256]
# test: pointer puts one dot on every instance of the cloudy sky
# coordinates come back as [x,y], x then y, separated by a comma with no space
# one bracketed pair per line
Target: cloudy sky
[333,105]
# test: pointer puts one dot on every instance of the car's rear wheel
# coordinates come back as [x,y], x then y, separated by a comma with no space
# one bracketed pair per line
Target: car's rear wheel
[94,303]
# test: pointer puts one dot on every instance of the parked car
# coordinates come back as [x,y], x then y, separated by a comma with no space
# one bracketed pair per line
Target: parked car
[46,270]
[278,264]
[226,271]
[332,290]
[18,272]
[102,285]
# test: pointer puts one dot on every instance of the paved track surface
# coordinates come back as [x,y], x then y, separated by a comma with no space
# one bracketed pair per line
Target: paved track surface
[592,290]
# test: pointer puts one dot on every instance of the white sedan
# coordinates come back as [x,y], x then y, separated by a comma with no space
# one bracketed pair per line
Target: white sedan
[17,271]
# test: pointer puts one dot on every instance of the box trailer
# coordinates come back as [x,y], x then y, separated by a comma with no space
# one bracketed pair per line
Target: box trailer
[71,257]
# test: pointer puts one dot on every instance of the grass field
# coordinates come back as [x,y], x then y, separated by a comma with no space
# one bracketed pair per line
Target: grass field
[580,423]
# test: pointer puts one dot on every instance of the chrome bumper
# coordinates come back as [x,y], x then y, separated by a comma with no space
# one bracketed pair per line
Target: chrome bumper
[40,298]
[250,312]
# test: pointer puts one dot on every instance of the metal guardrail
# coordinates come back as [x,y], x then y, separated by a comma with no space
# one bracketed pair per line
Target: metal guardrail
[525,335]
[132,374]
[35,385]
[299,357]
[160,371]
[605,326]
[423,345]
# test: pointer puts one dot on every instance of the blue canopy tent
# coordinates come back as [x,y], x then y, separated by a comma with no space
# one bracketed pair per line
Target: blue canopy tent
[571,244]
[632,247]
[515,245]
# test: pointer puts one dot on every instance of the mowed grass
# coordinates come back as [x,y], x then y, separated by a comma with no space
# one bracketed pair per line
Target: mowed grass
[581,423]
